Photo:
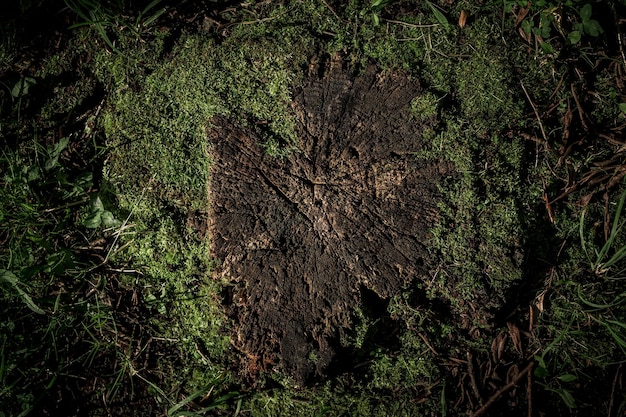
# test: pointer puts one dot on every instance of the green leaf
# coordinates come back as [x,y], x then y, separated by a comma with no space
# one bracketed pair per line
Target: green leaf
[93,221]
[620,341]
[55,152]
[33,174]
[375,19]
[541,372]
[574,37]
[150,6]
[567,398]
[585,12]
[96,204]
[441,18]
[567,377]
[593,28]
[108,220]
[547,48]
[21,87]
[378,5]
[622,107]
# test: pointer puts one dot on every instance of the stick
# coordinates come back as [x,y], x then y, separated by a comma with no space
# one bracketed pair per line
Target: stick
[331,10]
[411,25]
[543,132]
[581,113]
[470,371]
[432,349]
[502,390]
[619,368]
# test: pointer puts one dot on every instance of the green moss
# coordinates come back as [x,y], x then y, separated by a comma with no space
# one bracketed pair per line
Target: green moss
[425,106]
[173,276]
[415,366]
[158,128]
[336,400]
[158,167]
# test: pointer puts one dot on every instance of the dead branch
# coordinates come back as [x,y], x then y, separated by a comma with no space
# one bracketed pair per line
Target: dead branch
[504,389]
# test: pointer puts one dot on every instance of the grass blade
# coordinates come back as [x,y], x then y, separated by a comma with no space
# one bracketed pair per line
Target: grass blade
[8,276]
[614,232]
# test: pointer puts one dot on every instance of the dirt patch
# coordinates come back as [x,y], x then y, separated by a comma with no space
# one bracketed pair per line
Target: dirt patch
[303,236]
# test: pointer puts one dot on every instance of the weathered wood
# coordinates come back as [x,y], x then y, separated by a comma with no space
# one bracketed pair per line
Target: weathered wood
[301,235]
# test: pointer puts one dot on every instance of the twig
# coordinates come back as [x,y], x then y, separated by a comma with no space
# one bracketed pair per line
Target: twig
[331,9]
[411,25]
[543,132]
[428,344]
[534,139]
[470,371]
[254,22]
[619,368]
[504,389]
[558,86]
[265,19]
[581,114]
[620,39]
[68,205]
[125,271]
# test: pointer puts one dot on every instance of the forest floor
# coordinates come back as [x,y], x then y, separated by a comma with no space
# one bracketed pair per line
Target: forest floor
[313,208]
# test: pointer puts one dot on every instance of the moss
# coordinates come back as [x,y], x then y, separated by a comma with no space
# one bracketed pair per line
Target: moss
[173,276]
[158,165]
[425,106]
[335,400]
[415,366]
[158,128]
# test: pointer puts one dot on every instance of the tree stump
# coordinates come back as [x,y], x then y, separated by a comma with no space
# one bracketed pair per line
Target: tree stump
[301,236]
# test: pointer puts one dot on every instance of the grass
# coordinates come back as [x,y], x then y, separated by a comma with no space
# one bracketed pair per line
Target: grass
[105,268]
[105,18]
[604,261]
[38,213]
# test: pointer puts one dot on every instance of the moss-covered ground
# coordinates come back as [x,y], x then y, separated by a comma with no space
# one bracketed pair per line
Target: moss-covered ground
[108,302]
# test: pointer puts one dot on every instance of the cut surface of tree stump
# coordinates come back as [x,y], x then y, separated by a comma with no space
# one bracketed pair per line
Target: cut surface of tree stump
[302,236]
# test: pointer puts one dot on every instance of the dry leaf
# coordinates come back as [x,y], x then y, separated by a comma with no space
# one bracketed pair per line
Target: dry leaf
[462,19]
[539,301]
[512,373]
[521,15]
[497,347]
[515,337]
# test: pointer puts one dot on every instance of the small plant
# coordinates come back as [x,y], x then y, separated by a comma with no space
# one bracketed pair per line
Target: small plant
[587,26]
[571,19]
[98,216]
[378,5]
[204,400]
[46,315]
[375,8]
[608,259]
[542,371]
[9,277]
[102,17]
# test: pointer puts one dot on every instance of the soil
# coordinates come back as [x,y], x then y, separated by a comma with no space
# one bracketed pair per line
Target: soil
[305,236]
